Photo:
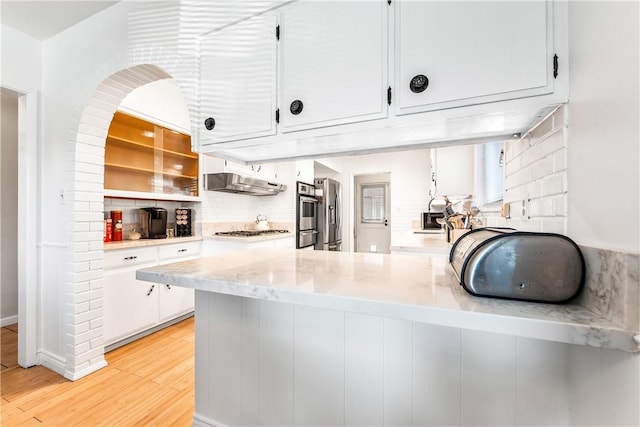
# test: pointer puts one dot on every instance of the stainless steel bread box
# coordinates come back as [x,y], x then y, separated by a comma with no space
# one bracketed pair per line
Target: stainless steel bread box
[506,263]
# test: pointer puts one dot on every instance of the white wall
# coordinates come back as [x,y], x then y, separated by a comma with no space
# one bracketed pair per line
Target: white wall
[160,102]
[21,61]
[604,136]
[9,209]
[603,170]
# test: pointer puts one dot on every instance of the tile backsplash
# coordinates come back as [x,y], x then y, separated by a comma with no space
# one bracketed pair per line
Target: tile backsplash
[535,179]
[131,212]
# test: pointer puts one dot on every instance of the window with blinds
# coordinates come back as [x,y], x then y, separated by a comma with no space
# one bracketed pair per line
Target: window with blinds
[373,203]
[490,173]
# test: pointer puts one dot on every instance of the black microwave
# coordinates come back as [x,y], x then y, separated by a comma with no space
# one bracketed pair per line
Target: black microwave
[429,220]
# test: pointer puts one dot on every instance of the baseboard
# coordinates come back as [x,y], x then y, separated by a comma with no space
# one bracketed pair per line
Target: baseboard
[9,320]
[202,421]
[76,375]
[125,341]
[51,361]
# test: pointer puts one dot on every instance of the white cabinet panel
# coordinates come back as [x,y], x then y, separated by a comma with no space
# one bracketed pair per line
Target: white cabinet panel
[250,363]
[437,379]
[225,331]
[276,364]
[542,383]
[472,50]
[488,378]
[174,301]
[130,305]
[238,80]
[318,367]
[129,257]
[333,57]
[171,253]
[398,372]
[364,400]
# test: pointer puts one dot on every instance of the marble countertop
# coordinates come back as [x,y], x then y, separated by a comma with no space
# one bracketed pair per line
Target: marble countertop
[422,289]
[427,243]
[126,244]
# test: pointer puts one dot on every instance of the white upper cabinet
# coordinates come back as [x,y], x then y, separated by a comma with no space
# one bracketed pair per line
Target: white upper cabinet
[334,62]
[238,81]
[471,52]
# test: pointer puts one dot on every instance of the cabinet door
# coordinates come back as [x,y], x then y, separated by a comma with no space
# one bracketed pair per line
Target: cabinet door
[130,305]
[174,301]
[334,62]
[471,52]
[238,81]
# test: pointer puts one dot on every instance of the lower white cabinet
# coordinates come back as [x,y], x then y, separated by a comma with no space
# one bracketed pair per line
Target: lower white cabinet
[132,306]
[174,301]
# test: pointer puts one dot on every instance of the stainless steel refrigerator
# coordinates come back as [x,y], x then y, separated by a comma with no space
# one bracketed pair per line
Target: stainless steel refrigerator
[329,195]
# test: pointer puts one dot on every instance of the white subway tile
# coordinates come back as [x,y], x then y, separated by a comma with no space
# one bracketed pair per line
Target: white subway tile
[560,160]
[542,168]
[552,184]
[554,225]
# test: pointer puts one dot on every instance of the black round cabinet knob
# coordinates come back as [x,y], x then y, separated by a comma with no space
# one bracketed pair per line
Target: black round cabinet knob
[296,107]
[210,123]
[419,83]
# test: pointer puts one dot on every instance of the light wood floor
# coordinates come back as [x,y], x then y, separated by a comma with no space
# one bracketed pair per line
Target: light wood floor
[149,382]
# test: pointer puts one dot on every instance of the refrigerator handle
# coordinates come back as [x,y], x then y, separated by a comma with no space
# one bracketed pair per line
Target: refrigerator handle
[338,212]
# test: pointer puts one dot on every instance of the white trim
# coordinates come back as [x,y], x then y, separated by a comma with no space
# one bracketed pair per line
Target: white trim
[74,375]
[28,229]
[9,320]
[124,194]
[51,361]
[202,421]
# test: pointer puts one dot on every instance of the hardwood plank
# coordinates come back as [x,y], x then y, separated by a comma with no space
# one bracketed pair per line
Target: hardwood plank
[148,382]
[9,346]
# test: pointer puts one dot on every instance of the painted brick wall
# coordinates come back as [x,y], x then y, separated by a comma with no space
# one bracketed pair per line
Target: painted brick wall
[535,179]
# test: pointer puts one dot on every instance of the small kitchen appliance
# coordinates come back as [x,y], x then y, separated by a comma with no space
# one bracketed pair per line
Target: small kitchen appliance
[511,264]
[183,222]
[329,195]
[153,223]
[306,215]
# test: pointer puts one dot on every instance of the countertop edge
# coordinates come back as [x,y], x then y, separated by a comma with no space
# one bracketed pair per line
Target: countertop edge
[606,335]
[142,243]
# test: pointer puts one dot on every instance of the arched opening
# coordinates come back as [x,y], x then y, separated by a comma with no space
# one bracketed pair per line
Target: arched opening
[83,309]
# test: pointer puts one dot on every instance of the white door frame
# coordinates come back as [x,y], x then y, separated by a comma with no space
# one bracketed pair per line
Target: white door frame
[28,225]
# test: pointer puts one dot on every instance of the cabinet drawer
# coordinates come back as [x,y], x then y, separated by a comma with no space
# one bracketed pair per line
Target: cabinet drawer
[127,257]
[178,250]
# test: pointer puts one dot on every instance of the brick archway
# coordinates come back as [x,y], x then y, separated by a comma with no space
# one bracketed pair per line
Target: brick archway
[82,309]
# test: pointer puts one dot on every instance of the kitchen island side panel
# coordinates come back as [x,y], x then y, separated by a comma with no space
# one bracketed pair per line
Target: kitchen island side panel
[271,363]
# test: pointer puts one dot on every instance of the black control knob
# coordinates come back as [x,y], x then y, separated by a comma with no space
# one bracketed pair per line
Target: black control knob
[419,83]
[210,123]
[296,107]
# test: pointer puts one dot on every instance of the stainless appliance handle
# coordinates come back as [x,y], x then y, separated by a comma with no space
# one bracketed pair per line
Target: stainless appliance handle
[308,232]
[308,199]
[338,211]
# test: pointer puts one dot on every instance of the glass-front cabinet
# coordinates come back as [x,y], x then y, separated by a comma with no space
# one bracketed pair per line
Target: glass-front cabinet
[141,156]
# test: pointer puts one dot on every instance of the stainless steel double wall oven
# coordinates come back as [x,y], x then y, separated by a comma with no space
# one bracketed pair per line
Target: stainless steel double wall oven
[306,215]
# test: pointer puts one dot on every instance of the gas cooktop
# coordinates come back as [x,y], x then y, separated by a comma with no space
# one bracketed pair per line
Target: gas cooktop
[249,233]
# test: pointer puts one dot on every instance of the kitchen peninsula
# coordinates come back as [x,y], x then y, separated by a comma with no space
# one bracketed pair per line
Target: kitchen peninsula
[349,319]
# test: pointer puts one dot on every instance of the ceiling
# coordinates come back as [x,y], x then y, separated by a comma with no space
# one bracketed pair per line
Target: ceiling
[43,19]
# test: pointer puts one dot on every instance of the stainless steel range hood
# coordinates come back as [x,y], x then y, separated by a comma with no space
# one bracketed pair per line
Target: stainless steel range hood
[235,183]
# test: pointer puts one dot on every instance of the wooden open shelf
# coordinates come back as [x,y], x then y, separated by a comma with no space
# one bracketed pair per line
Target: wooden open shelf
[141,156]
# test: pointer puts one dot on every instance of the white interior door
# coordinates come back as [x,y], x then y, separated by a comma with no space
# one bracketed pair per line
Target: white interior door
[373,213]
